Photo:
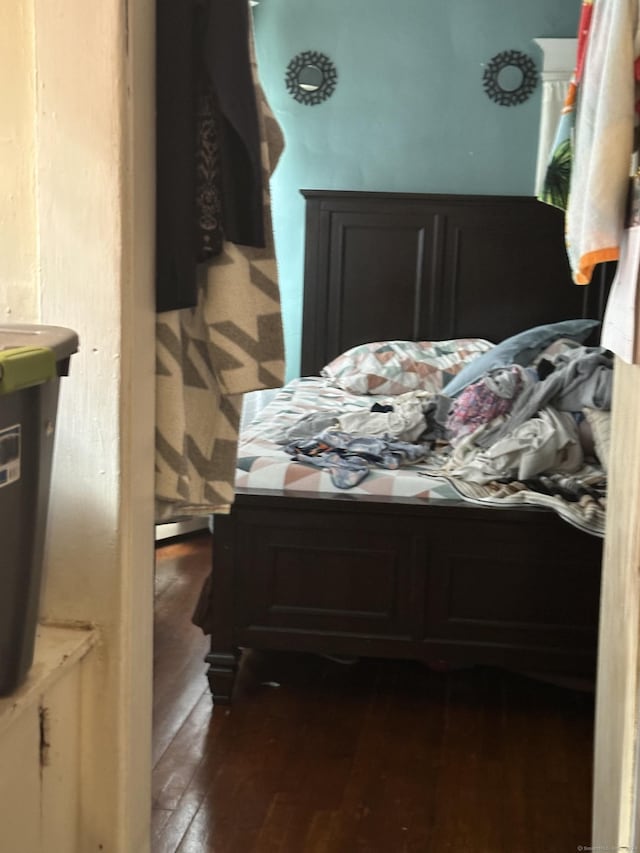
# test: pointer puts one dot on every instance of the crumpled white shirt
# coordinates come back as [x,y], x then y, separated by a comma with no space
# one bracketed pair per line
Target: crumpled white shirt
[406,422]
[547,442]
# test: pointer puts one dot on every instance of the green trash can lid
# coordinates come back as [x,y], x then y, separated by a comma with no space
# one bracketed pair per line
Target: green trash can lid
[63,342]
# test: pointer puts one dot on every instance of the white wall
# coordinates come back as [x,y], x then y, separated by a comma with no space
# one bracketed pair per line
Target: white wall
[18,296]
[618,685]
[76,219]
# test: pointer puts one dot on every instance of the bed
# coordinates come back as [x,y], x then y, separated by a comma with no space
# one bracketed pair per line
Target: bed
[423,576]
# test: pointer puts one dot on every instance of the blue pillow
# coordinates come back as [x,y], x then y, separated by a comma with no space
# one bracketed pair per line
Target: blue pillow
[519,349]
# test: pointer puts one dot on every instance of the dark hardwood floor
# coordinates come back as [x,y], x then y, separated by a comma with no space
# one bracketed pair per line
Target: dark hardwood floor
[317,756]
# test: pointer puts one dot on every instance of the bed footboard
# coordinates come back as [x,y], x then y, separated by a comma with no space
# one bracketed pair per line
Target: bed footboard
[441,584]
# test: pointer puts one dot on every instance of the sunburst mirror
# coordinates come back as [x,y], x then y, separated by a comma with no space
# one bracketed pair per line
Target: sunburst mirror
[510,77]
[311,77]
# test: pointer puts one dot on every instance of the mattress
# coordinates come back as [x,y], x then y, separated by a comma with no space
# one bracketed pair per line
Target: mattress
[264,466]
[263,463]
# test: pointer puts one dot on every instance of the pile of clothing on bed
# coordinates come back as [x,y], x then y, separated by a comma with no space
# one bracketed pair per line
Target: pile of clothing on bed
[348,443]
[517,434]
[522,422]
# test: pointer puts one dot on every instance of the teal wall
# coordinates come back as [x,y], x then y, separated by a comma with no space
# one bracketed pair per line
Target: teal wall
[409,112]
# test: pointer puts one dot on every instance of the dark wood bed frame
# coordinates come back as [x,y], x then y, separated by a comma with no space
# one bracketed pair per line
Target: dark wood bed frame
[441,582]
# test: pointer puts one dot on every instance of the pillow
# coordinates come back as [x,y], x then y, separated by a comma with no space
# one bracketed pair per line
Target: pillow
[395,367]
[600,423]
[520,349]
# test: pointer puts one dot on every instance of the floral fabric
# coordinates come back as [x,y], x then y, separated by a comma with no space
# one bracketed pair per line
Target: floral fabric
[485,400]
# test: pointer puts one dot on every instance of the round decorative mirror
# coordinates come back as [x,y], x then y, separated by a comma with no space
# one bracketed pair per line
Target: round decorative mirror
[311,77]
[510,77]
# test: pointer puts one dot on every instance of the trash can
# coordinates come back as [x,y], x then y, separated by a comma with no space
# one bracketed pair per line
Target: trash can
[32,358]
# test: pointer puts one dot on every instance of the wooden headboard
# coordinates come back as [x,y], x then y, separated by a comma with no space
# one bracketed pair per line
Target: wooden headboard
[382,266]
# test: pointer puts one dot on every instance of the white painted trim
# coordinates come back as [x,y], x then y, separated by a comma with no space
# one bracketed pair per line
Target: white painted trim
[618,682]
[57,650]
[180,528]
[558,57]
[95,210]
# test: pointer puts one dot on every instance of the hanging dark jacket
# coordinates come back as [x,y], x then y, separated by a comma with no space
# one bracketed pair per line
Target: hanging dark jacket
[196,37]
[228,61]
[176,38]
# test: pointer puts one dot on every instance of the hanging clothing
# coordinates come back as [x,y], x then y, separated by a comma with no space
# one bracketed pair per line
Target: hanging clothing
[227,58]
[196,424]
[557,179]
[176,83]
[208,188]
[209,164]
[603,138]
[554,95]
[230,343]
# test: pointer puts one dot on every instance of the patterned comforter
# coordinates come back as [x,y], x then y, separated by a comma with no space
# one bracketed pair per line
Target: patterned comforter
[264,464]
